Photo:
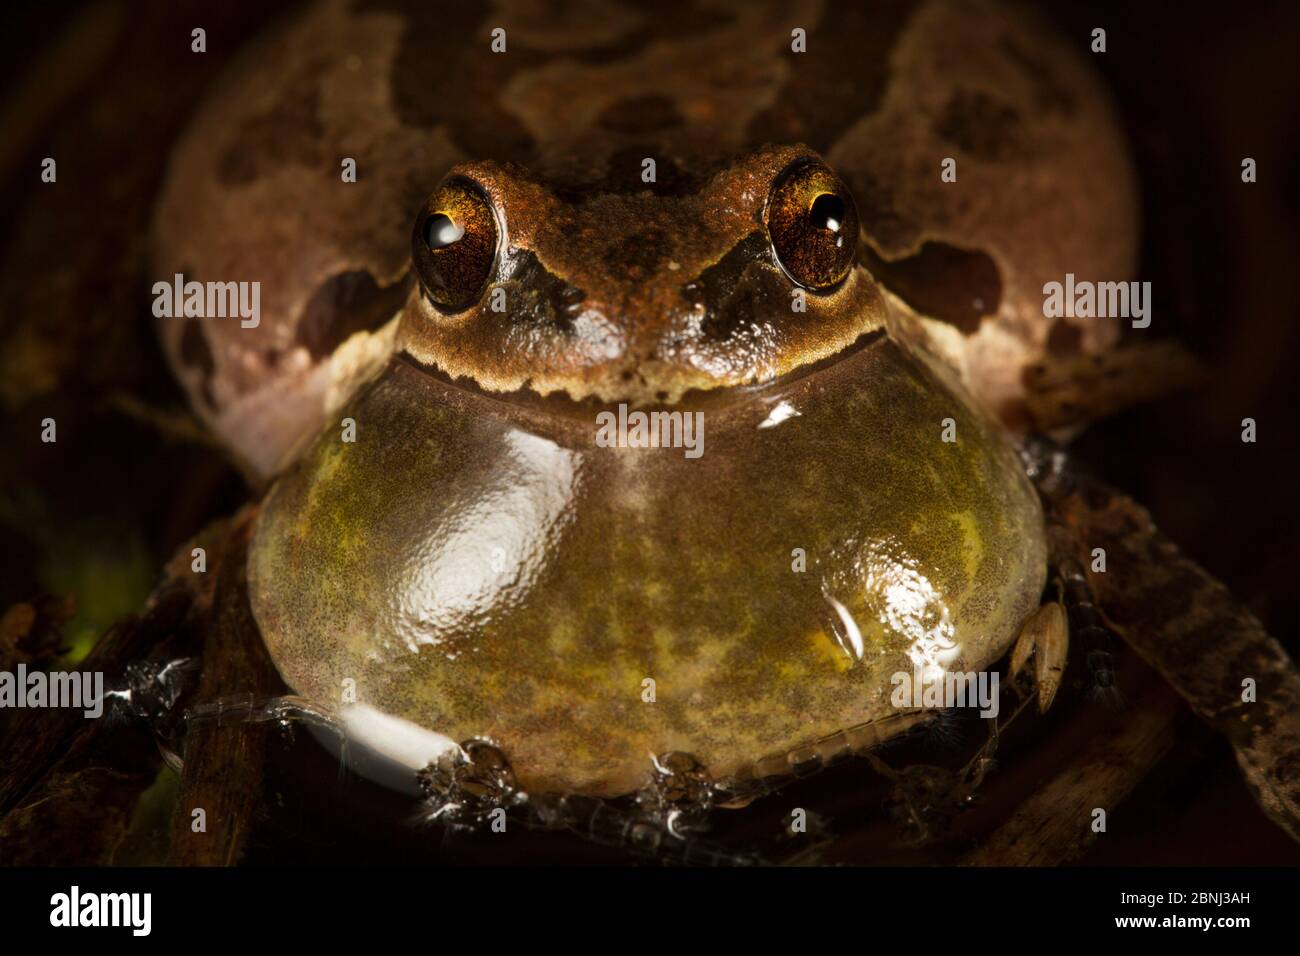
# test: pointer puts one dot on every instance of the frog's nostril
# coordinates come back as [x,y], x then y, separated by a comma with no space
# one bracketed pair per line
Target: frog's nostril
[441,231]
[827,212]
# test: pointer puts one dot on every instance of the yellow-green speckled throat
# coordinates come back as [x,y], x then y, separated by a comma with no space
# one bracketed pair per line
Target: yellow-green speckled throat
[503,270]
[483,569]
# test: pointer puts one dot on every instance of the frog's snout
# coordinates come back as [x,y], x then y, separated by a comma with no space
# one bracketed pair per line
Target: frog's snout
[636,293]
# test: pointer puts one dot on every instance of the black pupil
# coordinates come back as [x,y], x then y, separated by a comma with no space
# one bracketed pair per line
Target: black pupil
[441,231]
[827,212]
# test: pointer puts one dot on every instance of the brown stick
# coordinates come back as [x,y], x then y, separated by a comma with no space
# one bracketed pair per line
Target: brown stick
[223,768]
[1054,825]
[36,741]
[59,770]
[1187,626]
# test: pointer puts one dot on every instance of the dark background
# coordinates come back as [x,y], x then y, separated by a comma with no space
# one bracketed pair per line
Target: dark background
[1199,86]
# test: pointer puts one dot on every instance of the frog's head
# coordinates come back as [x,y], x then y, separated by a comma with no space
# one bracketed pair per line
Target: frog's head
[732,278]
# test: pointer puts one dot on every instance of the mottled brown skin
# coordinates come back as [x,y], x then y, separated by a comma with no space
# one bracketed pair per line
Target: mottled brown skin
[584,92]
[474,562]
[640,298]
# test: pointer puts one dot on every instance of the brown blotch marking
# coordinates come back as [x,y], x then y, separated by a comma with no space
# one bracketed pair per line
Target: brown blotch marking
[1050,94]
[1065,339]
[980,125]
[349,302]
[728,288]
[289,133]
[537,297]
[735,315]
[637,256]
[841,78]
[671,20]
[719,280]
[880,218]
[1032,374]
[641,114]
[445,73]
[954,285]
[623,174]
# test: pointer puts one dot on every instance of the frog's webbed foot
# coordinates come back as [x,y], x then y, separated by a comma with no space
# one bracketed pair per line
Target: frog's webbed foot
[665,820]
[1072,615]
[469,786]
[1081,619]
[474,787]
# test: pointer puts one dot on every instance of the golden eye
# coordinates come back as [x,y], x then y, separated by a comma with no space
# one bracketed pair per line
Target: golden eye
[454,246]
[813,226]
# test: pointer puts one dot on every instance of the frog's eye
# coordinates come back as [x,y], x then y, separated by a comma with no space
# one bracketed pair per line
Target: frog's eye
[813,225]
[454,246]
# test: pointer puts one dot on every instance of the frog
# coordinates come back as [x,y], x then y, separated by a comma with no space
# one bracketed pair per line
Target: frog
[820,231]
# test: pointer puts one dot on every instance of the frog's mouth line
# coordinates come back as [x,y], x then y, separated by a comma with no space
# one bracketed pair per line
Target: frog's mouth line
[563,405]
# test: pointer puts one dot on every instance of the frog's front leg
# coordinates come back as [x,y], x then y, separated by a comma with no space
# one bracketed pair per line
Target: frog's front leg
[1068,392]
[1045,636]
[1184,623]
[1080,618]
